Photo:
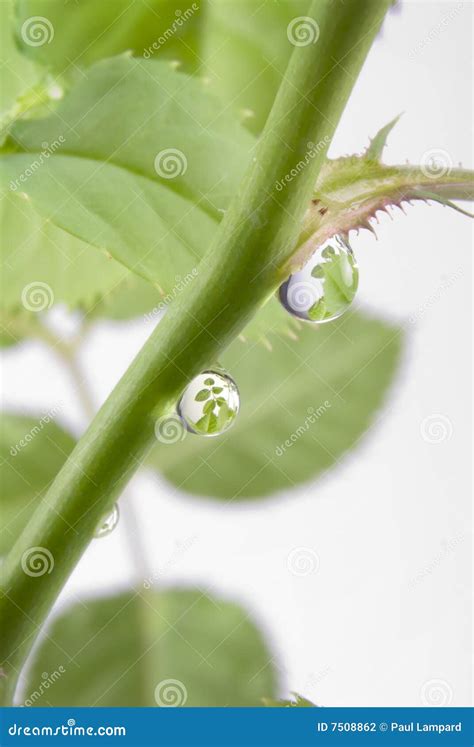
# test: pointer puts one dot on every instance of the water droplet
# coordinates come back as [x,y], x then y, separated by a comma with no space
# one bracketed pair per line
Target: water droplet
[210,403]
[107,523]
[325,288]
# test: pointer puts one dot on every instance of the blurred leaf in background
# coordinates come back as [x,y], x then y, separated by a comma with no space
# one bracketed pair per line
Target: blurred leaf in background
[176,647]
[303,406]
[32,450]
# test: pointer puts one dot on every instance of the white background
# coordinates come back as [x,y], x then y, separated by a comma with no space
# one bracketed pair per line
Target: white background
[388,610]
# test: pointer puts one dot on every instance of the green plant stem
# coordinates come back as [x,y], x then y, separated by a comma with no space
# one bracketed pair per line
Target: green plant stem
[242,268]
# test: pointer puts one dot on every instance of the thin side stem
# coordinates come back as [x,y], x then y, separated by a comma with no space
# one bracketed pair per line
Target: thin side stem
[68,356]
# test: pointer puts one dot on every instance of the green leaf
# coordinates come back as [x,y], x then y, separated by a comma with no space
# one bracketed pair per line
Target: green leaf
[225,416]
[183,646]
[132,297]
[209,406]
[318,310]
[34,250]
[104,184]
[209,382]
[208,424]
[378,143]
[297,702]
[302,407]
[149,107]
[202,395]
[32,450]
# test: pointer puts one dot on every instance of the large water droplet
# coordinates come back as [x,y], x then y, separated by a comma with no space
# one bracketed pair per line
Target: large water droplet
[325,288]
[107,523]
[210,403]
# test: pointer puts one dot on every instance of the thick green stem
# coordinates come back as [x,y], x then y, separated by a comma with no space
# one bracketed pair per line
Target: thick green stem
[240,271]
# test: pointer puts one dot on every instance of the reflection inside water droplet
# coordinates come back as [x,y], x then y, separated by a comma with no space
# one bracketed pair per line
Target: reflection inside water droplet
[325,288]
[210,403]
[107,523]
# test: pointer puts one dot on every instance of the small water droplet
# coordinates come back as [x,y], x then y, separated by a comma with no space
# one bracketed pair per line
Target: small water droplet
[210,403]
[325,288]
[107,523]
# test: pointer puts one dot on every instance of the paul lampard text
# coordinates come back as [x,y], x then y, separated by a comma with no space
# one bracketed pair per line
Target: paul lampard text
[416,726]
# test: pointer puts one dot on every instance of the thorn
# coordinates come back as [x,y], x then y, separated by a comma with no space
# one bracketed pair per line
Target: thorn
[107,253]
[175,64]
[291,334]
[266,344]
[368,226]
[159,288]
[23,195]
[242,338]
